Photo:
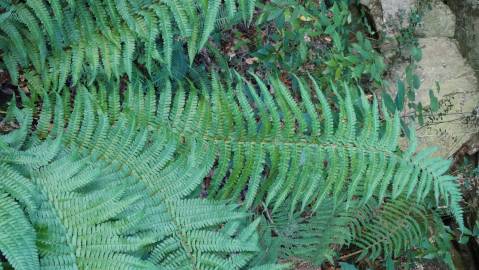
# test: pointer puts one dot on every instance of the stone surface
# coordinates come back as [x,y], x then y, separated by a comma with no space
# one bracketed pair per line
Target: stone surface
[438,21]
[376,12]
[467,29]
[385,13]
[391,8]
[442,62]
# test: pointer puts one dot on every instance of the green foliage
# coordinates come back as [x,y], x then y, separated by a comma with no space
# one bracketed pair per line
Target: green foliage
[262,148]
[395,225]
[103,194]
[69,40]
[128,153]
[306,36]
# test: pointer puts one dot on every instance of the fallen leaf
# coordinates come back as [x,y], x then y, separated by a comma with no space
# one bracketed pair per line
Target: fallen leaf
[251,60]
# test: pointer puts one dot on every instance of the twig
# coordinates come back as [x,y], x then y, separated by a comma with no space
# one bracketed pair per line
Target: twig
[265,210]
[350,255]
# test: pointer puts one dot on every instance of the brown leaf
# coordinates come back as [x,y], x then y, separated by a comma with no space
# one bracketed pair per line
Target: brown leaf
[251,60]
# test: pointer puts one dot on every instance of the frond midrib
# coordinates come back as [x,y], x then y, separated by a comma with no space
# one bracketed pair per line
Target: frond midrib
[304,143]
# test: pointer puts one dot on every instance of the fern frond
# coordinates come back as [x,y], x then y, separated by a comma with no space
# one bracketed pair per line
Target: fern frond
[262,144]
[110,194]
[39,33]
[392,228]
[209,23]
[315,238]
[276,129]
[17,236]
[377,229]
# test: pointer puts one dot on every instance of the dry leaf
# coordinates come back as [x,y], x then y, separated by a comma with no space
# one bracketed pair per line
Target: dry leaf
[251,60]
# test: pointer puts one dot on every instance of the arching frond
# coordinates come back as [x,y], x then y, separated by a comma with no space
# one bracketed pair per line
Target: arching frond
[268,146]
[391,229]
[17,236]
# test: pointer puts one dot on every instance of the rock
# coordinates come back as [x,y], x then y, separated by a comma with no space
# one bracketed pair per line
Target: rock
[392,8]
[376,12]
[467,29]
[443,63]
[438,21]
[386,13]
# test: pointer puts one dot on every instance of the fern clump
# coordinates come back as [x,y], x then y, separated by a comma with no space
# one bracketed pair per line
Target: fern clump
[121,180]
[65,41]
[123,151]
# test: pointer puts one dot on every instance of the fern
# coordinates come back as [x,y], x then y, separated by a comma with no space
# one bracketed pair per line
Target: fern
[104,194]
[391,229]
[371,230]
[17,237]
[277,149]
[312,237]
[144,156]
[59,39]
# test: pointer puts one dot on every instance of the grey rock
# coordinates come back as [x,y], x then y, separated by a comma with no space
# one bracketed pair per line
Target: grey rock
[467,29]
[438,21]
[376,12]
[389,15]
[443,63]
[391,8]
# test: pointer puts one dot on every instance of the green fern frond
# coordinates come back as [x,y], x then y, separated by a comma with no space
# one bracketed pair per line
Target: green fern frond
[377,229]
[258,146]
[392,228]
[113,195]
[52,36]
[17,236]
[263,145]
[210,18]
[315,238]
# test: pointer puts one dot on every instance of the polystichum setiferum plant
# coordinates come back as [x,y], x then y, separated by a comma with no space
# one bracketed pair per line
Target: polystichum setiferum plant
[154,178]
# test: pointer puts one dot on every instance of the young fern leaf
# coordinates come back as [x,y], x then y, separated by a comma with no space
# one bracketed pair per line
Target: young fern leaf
[209,23]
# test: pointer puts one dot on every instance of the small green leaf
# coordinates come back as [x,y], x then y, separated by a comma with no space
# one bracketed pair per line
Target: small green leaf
[388,101]
[420,114]
[463,240]
[475,231]
[434,101]
[416,54]
[400,95]
[416,82]
[466,232]
[347,266]
[411,95]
